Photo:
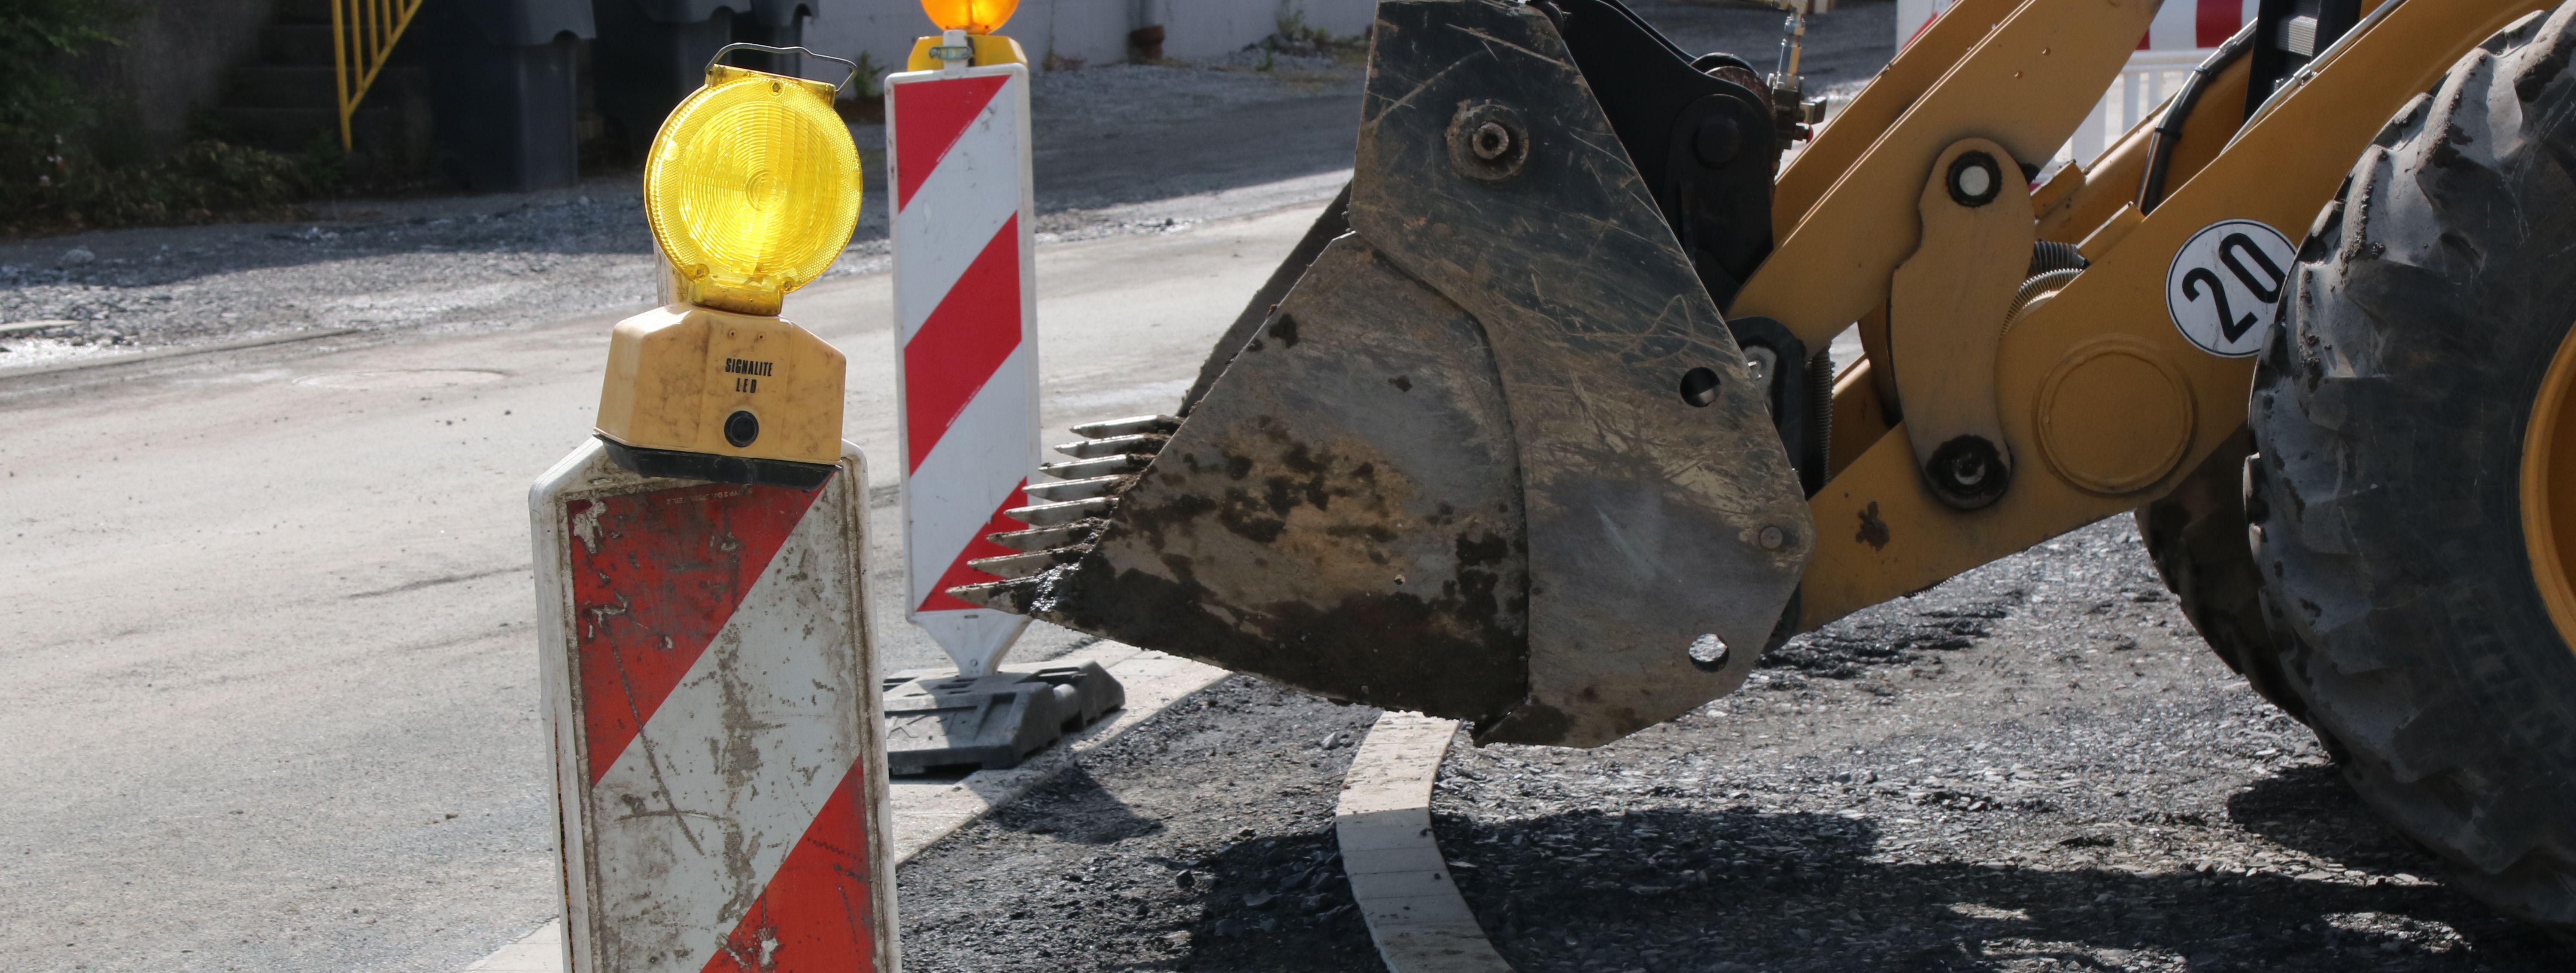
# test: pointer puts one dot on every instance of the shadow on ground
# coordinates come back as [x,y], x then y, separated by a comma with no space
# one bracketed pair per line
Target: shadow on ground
[1741,891]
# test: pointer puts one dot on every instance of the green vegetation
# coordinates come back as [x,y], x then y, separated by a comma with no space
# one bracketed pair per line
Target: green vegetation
[37,101]
[202,182]
[53,174]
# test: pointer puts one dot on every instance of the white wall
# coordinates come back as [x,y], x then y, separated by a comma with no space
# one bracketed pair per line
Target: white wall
[1091,31]
[2178,26]
[881,29]
[1206,28]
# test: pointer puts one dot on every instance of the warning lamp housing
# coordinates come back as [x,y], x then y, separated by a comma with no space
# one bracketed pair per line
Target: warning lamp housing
[752,190]
[709,386]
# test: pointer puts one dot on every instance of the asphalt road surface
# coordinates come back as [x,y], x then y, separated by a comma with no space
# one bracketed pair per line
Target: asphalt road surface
[270,685]
[269,696]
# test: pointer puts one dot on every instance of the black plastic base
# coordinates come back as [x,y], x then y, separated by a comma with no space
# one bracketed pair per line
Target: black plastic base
[938,721]
[717,469]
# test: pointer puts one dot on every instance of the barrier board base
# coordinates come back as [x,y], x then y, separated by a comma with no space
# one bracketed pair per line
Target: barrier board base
[938,720]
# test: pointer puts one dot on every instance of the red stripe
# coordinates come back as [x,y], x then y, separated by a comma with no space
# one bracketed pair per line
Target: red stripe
[654,577]
[929,117]
[975,327]
[818,914]
[958,573]
[2215,21]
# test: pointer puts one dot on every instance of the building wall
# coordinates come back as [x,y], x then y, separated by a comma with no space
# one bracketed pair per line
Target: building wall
[1090,32]
[172,63]
[177,52]
[1204,28]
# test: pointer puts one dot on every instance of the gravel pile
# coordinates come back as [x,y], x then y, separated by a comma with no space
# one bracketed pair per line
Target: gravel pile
[1111,139]
[480,262]
[1114,99]
[469,263]
[1200,840]
[2037,766]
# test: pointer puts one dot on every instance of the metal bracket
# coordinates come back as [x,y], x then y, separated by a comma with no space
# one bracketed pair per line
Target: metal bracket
[1635,495]
[807,52]
[1946,308]
[2048,61]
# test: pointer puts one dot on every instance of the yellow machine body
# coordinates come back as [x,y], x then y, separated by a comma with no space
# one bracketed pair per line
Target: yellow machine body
[2089,396]
[1561,524]
[2099,395]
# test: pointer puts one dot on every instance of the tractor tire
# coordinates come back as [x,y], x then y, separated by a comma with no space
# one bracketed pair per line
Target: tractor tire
[2388,412]
[2196,537]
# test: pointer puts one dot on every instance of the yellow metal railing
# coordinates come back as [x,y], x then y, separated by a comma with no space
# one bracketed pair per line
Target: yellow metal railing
[363,33]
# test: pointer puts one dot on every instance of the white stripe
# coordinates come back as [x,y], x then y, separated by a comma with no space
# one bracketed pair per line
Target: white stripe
[2176,27]
[975,638]
[1398,878]
[695,817]
[981,182]
[977,186]
[968,474]
[924,811]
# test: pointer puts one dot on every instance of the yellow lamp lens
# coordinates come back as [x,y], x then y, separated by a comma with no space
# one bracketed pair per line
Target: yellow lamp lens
[971,16]
[752,188]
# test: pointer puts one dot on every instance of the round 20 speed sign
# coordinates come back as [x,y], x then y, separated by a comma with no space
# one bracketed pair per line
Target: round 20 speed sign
[2225,283]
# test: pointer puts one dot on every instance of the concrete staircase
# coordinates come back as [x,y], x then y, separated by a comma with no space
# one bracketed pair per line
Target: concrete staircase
[288,99]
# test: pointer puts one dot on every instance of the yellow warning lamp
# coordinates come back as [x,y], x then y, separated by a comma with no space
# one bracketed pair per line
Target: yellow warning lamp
[971,16]
[752,190]
[966,35]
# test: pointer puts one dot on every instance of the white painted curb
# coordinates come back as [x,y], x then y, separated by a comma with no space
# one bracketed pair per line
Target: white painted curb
[926,811]
[1401,883]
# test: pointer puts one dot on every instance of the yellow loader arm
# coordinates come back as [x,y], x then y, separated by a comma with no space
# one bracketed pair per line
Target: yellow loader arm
[1536,428]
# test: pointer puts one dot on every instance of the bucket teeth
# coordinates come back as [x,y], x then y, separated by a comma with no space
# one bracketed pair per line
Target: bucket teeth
[1439,467]
[1066,515]
[1013,595]
[1025,565]
[1052,514]
[1041,538]
[1083,489]
[1145,443]
[1084,469]
[1130,426]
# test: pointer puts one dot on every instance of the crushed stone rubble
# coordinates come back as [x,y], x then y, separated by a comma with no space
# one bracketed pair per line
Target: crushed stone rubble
[2036,766]
[1200,840]
[456,264]
[494,261]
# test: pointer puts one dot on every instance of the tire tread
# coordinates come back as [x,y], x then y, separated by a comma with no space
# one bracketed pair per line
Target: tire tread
[2387,411]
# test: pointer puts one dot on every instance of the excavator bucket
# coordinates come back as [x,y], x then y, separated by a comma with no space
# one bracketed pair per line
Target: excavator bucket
[1485,449]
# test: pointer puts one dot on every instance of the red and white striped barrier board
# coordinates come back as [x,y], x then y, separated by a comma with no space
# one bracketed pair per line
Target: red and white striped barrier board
[957,156]
[2180,25]
[714,709]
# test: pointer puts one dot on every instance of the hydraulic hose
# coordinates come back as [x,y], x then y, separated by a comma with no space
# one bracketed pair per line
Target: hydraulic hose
[2299,78]
[2168,130]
